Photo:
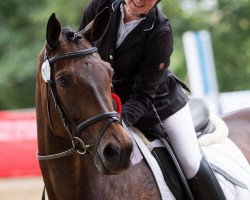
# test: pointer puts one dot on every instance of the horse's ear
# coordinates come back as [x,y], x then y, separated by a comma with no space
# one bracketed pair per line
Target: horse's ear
[53,31]
[95,29]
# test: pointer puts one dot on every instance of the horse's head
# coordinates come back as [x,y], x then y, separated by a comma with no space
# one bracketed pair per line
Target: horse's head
[72,76]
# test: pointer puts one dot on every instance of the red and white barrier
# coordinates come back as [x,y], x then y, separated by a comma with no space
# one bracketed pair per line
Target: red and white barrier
[18,144]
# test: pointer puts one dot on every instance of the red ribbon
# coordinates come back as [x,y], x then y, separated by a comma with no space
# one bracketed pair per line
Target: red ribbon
[118,103]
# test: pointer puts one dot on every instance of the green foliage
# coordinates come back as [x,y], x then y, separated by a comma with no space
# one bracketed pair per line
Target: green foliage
[22,36]
[231,30]
[23,27]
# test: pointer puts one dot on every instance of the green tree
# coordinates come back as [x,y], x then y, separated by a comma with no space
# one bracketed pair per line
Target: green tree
[22,36]
[17,53]
[230,27]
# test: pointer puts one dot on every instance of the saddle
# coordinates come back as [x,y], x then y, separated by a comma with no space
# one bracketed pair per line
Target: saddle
[201,117]
[173,175]
[203,125]
[157,151]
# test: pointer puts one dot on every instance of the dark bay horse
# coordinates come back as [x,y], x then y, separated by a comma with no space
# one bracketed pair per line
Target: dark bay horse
[238,123]
[83,151]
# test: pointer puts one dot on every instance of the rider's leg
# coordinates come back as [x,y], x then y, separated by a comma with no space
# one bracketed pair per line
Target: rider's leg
[180,129]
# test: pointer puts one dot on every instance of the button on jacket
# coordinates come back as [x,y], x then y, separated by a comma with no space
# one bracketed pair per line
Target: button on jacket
[141,65]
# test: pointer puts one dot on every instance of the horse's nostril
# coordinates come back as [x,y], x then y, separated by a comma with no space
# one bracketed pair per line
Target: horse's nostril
[110,151]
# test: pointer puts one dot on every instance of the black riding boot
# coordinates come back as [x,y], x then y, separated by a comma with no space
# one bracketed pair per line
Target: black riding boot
[204,185]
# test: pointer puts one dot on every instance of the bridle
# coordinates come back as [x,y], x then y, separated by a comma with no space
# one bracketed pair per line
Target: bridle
[78,146]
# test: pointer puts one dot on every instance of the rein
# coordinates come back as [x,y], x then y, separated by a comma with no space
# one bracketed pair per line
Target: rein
[78,146]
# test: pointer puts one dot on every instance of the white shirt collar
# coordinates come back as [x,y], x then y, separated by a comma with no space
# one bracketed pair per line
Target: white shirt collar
[125,28]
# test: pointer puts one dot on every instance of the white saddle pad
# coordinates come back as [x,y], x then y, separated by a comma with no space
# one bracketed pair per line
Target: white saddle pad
[221,151]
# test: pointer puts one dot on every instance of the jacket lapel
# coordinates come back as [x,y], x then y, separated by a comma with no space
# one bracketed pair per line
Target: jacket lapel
[114,22]
[138,33]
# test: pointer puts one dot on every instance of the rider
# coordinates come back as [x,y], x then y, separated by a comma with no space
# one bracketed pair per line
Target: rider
[138,44]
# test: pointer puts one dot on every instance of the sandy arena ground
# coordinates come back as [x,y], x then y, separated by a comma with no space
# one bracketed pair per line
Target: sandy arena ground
[28,188]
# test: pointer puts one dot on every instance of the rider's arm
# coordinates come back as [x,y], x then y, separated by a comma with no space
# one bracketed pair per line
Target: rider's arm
[155,62]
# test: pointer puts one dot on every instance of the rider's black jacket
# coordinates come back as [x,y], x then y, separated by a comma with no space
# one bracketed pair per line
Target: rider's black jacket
[140,63]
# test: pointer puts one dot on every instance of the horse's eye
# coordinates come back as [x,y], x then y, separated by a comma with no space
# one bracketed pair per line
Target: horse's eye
[62,81]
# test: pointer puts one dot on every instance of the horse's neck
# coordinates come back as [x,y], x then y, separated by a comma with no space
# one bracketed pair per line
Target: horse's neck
[76,177]
[71,177]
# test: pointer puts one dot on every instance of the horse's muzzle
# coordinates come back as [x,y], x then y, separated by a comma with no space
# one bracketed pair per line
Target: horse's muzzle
[113,158]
